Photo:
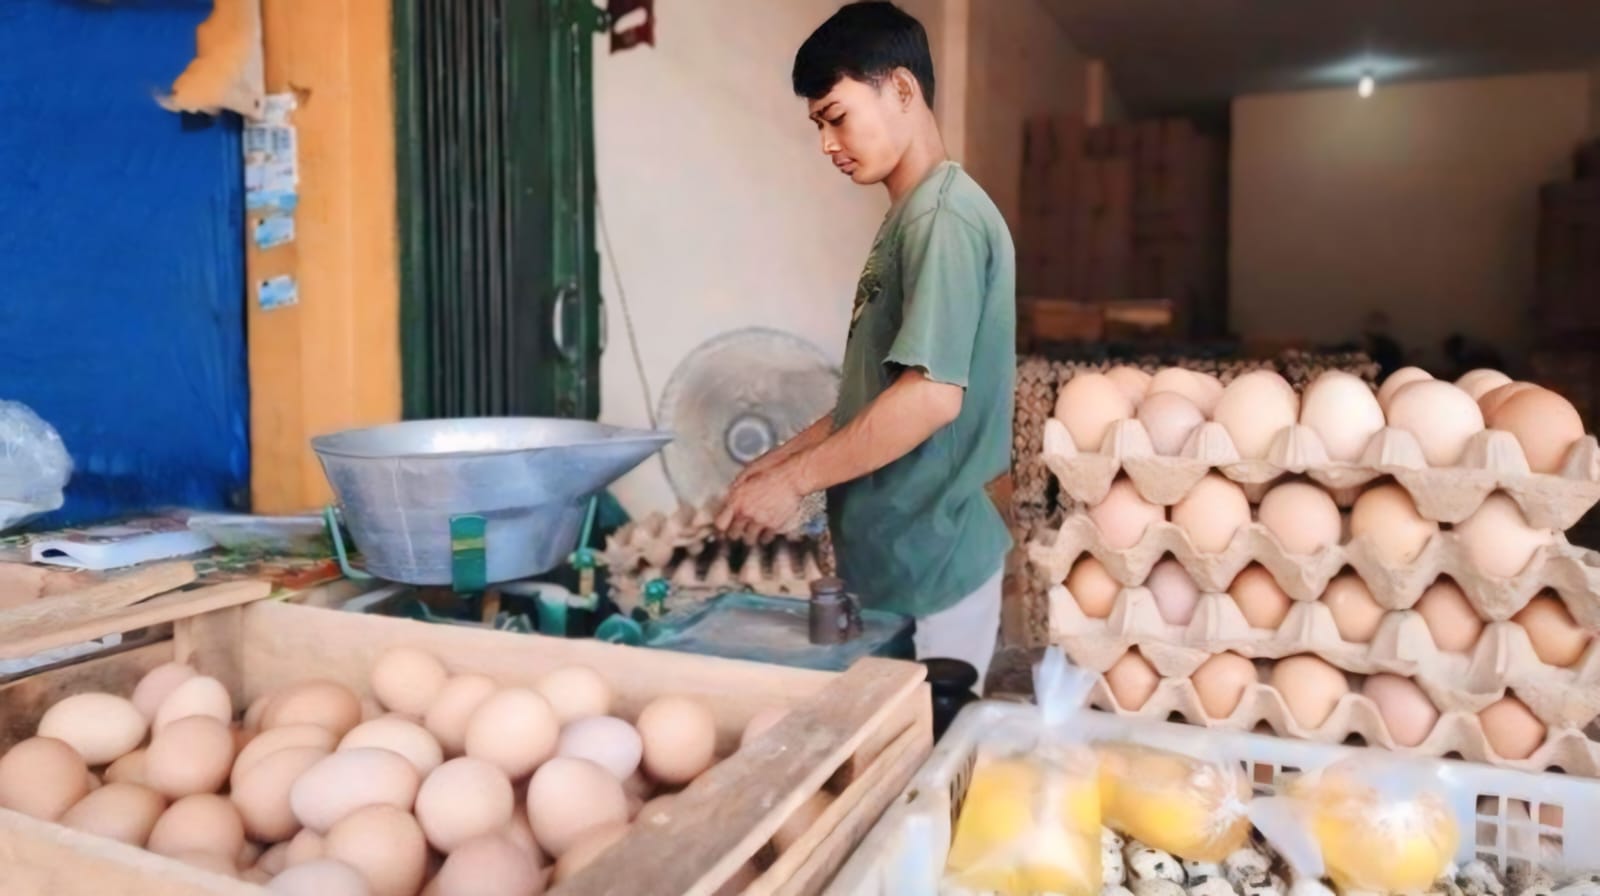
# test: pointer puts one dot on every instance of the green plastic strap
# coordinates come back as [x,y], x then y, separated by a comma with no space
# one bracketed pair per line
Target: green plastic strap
[469,567]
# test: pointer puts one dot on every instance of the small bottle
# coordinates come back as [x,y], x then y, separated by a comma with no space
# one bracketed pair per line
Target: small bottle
[835,613]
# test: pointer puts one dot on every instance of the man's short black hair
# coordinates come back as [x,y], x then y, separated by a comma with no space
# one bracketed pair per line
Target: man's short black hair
[865,41]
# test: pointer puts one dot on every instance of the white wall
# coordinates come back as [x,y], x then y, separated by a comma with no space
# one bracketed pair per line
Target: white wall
[1420,201]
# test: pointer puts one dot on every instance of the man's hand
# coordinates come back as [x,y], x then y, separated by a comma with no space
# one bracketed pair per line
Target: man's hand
[760,504]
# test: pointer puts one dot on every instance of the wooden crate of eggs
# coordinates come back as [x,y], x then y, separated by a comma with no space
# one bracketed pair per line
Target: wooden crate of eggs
[389,757]
[1333,563]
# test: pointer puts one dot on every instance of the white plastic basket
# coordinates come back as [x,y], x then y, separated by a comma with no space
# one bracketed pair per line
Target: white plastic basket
[1551,820]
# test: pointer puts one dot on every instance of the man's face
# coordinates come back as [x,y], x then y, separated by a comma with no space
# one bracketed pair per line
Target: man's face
[864,129]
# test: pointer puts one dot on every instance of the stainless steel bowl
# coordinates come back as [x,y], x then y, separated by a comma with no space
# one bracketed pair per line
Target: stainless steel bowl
[530,478]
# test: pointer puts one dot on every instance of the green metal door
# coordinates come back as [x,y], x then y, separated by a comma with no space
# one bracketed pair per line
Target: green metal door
[500,301]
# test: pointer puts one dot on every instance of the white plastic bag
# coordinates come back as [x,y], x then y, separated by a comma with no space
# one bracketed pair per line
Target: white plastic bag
[34,465]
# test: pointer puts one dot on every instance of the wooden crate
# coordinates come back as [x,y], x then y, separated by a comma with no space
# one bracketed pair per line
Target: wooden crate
[861,734]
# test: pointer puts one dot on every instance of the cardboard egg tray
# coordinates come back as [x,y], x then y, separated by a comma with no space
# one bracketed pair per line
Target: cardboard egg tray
[1571,572]
[783,568]
[1503,659]
[654,539]
[1455,733]
[1493,461]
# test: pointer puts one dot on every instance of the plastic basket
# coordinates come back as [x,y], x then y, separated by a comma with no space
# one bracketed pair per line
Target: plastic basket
[1506,816]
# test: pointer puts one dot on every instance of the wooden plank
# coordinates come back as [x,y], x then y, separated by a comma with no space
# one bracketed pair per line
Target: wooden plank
[61,629]
[40,858]
[102,597]
[210,643]
[23,702]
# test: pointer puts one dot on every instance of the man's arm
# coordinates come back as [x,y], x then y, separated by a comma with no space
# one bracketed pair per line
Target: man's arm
[807,438]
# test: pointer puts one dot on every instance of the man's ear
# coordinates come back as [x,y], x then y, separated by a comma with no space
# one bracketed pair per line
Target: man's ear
[906,88]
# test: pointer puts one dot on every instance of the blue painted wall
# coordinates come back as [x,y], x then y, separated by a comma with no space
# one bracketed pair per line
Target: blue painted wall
[121,256]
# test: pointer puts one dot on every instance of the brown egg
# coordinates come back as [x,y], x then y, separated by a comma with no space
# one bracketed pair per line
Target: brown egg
[1491,400]
[1093,587]
[345,781]
[397,735]
[1170,419]
[1133,382]
[1441,417]
[488,866]
[1302,517]
[1556,637]
[1089,404]
[1398,380]
[1262,602]
[385,845]
[1221,682]
[1175,592]
[1514,732]
[516,729]
[679,736]
[1344,413]
[568,798]
[1212,513]
[1497,538]
[608,742]
[758,724]
[405,679]
[326,704]
[585,851]
[123,812]
[268,742]
[1355,613]
[204,823]
[575,692]
[1452,621]
[158,684]
[256,712]
[127,770]
[261,793]
[1123,516]
[464,799]
[453,707]
[520,832]
[274,859]
[1203,389]
[1407,712]
[101,727]
[1310,687]
[800,823]
[323,877]
[200,695]
[306,847]
[1388,518]
[189,756]
[248,855]
[1545,424]
[1132,681]
[1481,382]
[1254,408]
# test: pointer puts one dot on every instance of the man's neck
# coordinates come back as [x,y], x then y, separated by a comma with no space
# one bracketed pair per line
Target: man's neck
[925,153]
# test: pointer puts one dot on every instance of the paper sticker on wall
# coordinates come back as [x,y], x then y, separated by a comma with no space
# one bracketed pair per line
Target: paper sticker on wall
[277,292]
[273,231]
[272,158]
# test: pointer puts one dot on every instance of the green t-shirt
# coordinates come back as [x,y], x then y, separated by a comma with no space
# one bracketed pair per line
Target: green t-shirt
[938,293]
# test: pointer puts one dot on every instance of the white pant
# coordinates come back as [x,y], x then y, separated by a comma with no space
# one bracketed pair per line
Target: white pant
[967,631]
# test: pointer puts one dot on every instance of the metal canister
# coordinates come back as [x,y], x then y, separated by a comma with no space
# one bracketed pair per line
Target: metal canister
[835,613]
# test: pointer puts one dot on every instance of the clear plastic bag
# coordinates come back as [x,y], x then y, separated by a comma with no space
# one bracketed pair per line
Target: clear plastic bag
[1030,822]
[1196,809]
[34,465]
[1374,823]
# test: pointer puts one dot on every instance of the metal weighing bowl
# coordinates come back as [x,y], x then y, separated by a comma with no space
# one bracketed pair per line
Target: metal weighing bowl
[400,485]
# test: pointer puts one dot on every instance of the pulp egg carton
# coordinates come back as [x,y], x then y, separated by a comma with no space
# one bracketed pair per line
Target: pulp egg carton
[1354,715]
[1571,572]
[1493,461]
[785,568]
[653,540]
[1503,659]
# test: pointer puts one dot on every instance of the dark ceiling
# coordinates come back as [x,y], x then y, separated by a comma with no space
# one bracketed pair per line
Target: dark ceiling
[1194,55]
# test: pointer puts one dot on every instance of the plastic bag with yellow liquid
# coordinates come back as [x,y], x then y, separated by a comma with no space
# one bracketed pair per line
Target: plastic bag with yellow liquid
[1030,822]
[1195,809]
[1373,823]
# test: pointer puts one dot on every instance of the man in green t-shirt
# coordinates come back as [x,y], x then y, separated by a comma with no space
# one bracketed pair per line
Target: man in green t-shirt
[923,421]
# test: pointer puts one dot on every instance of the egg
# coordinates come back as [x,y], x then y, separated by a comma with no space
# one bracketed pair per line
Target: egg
[488,866]
[463,799]
[1133,382]
[1398,380]
[406,679]
[610,743]
[1481,382]
[1310,687]
[189,756]
[1212,513]
[1355,613]
[680,739]
[323,877]
[385,845]
[326,704]
[204,823]
[575,692]
[158,684]
[1545,425]
[1441,417]
[758,724]
[261,793]
[1514,732]
[638,786]
[200,695]
[1260,599]
[42,777]
[256,711]
[1221,682]
[306,846]
[1302,517]
[1387,518]
[1093,587]
[651,812]
[248,854]
[1089,404]
[1169,419]
[798,824]
[126,813]
[1451,620]
[1174,591]
[1254,408]
[1123,516]
[399,736]
[568,798]
[127,770]
[585,851]
[269,742]
[1490,402]
[1406,711]
[274,859]
[1556,637]
[1202,389]
[1342,410]
[515,729]
[101,727]
[520,832]
[1132,681]
[343,782]
[447,718]
[1497,538]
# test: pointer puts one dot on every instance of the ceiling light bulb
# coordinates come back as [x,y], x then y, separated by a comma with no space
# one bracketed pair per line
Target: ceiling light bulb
[1366,86]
